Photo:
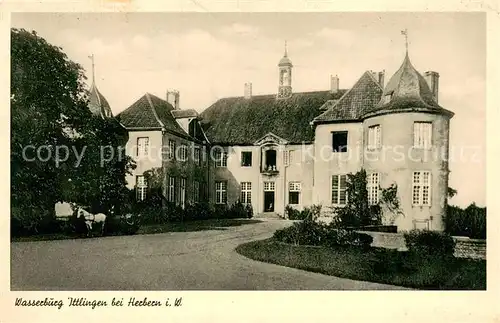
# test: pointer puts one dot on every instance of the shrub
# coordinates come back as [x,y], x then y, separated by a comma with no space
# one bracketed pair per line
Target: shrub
[317,234]
[198,211]
[237,211]
[310,213]
[469,222]
[34,220]
[292,213]
[430,243]
[249,210]
[127,224]
[302,233]
[342,237]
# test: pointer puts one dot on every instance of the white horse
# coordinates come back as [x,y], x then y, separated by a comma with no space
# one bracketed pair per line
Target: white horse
[91,219]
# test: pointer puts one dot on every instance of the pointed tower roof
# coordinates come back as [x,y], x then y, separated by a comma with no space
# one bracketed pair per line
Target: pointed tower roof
[285,61]
[407,90]
[98,104]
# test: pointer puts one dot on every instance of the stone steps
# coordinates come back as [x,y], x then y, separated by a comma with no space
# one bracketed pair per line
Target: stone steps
[268,215]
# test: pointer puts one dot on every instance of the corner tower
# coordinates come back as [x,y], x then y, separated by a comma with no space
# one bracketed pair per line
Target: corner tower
[409,117]
[285,76]
[98,104]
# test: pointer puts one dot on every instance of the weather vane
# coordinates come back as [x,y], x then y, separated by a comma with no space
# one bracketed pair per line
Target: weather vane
[286,53]
[93,68]
[405,33]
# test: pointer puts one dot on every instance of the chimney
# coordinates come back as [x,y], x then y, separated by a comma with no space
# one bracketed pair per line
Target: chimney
[381,78]
[432,79]
[334,84]
[173,98]
[248,90]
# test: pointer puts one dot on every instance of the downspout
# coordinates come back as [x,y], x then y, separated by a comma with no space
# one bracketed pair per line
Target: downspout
[285,188]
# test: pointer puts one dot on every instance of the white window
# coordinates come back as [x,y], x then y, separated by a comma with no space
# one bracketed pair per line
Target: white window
[221,192]
[373,184]
[374,137]
[294,189]
[421,194]
[141,188]
[196,191]
[197,154]
[183,192]
[171,149]
[269,186]
[183,153]
[142,146]
[220,158]
[422,135]
[339,186]
[246,192]
[171,189]
[288,157]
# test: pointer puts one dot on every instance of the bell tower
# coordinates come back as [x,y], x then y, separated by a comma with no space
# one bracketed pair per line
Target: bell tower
[285,76]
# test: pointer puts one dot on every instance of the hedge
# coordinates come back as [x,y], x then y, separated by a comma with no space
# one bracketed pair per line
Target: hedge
[469,222]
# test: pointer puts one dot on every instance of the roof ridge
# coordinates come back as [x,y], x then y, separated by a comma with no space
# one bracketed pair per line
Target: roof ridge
[153,109]
[274,94]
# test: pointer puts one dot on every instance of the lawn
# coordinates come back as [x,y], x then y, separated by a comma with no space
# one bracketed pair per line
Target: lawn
[187,226]
[374,265]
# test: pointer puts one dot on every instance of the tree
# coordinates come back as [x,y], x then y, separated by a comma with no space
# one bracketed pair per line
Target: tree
[47,96]
[50,115]
[357,211]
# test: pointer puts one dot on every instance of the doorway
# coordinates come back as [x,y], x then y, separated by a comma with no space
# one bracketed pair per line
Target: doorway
[269,196]
[268,201]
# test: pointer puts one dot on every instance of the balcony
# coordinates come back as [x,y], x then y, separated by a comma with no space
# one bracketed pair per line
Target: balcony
[269,170]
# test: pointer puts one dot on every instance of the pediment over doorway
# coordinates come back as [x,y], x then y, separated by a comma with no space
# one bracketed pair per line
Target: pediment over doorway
[270,139]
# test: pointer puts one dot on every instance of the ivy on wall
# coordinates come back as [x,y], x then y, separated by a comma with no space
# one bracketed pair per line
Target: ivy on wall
[358,211]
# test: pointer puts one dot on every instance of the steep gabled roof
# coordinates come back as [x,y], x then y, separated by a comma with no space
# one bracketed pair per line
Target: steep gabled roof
[364,95]
[241,121]
[150,112]
[407,90]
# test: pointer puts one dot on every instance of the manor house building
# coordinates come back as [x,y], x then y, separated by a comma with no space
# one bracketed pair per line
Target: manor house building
[296,148]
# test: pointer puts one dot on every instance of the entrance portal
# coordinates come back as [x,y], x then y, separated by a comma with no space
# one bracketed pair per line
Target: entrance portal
[269,196]
[268,201]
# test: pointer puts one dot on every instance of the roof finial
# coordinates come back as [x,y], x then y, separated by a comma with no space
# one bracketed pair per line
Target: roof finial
[405,33]
[93,68]
[286,52]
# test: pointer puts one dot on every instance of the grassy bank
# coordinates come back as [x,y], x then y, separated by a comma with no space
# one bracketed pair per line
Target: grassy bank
[373,264]
[187,226]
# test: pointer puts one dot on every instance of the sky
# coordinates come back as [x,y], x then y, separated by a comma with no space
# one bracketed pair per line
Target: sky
[207,56]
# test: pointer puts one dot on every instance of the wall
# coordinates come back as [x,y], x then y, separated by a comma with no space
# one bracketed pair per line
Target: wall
[328,163]
[464,248]
[145,163]
[190,169]
[301,169]
[397,159]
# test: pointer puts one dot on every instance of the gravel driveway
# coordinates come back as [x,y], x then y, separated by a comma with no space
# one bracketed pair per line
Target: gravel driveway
[202,260]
